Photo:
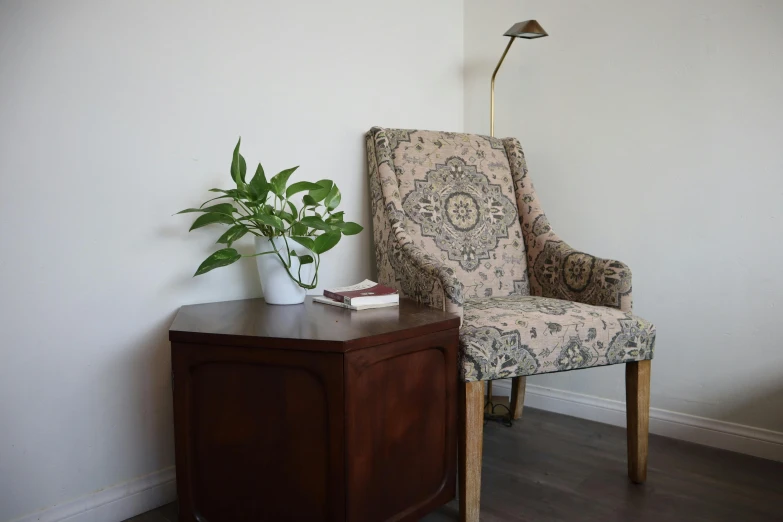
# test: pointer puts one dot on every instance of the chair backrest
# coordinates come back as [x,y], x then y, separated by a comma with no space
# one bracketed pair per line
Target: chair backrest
[456,196]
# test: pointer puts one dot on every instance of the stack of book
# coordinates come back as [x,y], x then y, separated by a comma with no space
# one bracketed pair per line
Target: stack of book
[361,296]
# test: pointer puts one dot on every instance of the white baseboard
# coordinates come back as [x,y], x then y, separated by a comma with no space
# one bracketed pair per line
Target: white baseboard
[115,503]
[709,432]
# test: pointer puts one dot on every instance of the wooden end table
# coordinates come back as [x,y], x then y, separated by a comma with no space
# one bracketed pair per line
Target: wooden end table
[313,412]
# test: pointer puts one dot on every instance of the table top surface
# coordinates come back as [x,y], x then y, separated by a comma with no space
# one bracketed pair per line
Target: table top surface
[309,326]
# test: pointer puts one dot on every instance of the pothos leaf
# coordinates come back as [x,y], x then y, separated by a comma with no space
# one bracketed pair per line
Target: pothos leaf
[301,186]
[305,241]
[258,184]
[220,258]
[272,221]
[280,179]
[321,193]
[332,199]
[298,229]
[242,169]
[220,208]
[230,192]
[210,218]
[238,165]
[350,228]
[326,242]
[314,222]
[337,217]
[232,234]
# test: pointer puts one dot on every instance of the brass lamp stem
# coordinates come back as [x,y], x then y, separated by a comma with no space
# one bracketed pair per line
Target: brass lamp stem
[492,93]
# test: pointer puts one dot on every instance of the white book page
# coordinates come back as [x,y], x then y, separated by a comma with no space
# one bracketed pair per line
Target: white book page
[358,286]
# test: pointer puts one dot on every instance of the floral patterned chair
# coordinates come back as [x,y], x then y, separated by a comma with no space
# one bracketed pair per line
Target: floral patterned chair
[457,225]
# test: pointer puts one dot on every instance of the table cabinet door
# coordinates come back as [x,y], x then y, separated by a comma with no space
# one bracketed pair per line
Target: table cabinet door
[401,427]
[259,434]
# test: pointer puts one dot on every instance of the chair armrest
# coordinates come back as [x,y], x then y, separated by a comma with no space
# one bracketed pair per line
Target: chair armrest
[425,279]
[556,270]
[561,272]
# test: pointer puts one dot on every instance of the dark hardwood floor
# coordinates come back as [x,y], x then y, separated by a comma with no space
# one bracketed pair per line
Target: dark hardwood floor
[551,467]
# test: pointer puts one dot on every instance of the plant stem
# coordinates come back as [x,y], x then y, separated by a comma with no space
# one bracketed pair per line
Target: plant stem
[288,251]
[244,207]
[261,253]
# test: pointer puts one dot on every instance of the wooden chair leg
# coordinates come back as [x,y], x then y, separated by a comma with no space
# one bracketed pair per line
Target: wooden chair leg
[471,435]
[637,399]
[517,396]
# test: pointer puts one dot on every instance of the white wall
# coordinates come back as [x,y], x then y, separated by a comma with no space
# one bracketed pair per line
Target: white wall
[113,116]
[653,132]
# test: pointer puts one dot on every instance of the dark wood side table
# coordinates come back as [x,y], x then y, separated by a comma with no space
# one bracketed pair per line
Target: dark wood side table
[313,412]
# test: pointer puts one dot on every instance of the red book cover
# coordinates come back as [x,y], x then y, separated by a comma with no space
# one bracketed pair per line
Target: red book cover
[365,289]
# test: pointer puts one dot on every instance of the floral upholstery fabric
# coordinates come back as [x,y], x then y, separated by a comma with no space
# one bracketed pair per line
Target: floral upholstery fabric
[555,269]
[525,335]
[457,225]
[400,263]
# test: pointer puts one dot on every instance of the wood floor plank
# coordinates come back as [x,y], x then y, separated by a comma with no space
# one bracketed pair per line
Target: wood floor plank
[150,516]
[169,512]
[551,467]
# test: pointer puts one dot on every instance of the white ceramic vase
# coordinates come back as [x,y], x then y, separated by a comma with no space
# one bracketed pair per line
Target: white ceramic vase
[278,287]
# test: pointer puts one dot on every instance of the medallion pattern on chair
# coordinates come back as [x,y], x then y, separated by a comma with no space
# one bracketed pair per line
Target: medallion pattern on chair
[524,335]
[464,213]
[455,200]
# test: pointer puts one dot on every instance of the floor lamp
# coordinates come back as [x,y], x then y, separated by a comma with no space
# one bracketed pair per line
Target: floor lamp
[528,30]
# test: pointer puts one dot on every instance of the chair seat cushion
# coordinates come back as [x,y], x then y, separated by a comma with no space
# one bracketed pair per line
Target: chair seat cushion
[505,337]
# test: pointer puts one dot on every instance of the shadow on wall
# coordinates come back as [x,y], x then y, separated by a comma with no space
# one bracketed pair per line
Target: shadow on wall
[367,216]
[147,363]
[143,368]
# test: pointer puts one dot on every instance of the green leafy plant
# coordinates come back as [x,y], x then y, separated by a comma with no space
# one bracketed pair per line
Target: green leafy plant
[266,208]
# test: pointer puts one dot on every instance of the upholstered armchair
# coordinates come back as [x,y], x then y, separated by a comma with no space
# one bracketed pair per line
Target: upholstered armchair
[457,225]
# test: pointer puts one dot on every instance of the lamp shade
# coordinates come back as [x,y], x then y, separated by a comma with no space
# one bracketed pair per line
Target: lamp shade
[528,29]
